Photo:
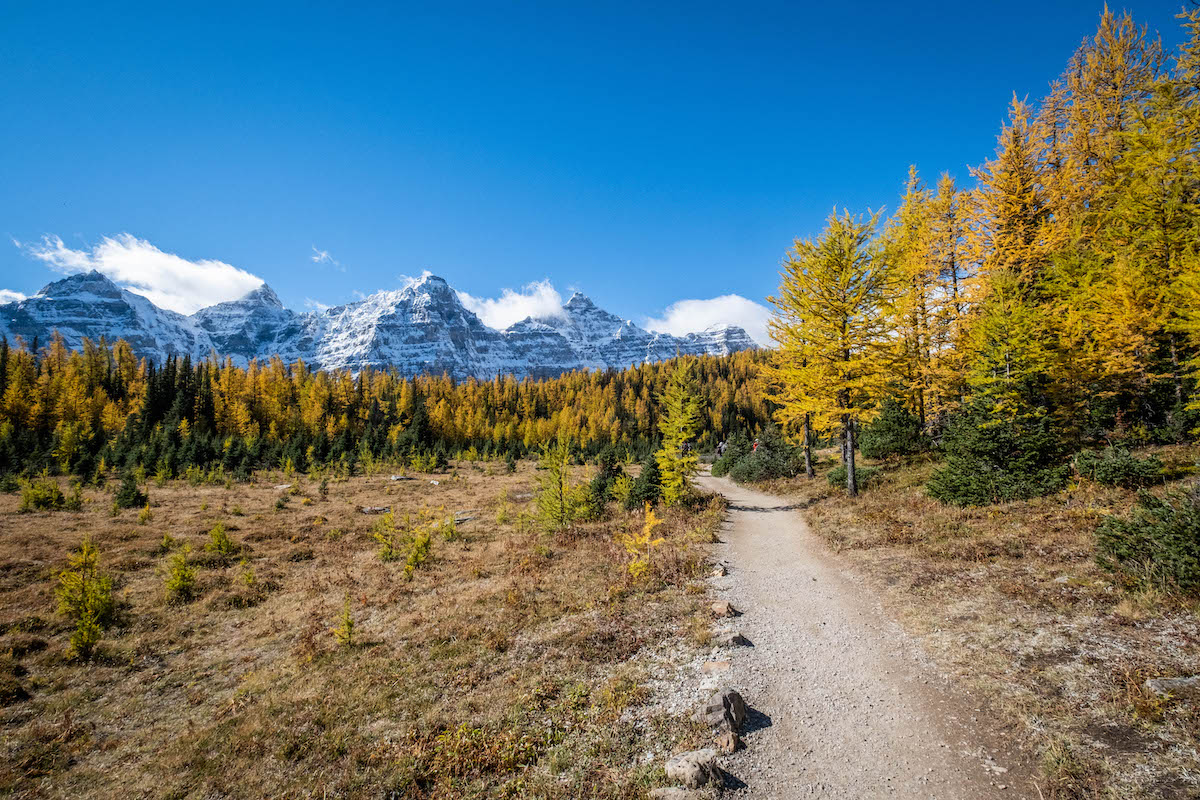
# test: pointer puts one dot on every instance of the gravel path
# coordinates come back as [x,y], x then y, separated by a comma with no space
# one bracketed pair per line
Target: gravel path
[844,703]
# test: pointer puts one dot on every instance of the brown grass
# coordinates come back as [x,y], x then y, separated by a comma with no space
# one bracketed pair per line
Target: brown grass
[1011,600]
[502,668]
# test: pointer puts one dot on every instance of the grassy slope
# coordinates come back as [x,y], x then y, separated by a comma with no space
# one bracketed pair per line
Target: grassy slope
[508,666]
[1010,599]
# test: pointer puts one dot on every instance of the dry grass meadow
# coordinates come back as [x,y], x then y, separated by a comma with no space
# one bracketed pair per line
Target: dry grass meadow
[506,666]
[1009,599]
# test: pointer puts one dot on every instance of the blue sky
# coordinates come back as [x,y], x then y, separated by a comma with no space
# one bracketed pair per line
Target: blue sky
[643,153]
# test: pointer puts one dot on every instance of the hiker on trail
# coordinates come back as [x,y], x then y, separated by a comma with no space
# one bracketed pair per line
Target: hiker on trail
[755,447]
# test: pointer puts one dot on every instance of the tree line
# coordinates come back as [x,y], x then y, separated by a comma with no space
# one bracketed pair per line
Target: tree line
[1052,306]
[75,411]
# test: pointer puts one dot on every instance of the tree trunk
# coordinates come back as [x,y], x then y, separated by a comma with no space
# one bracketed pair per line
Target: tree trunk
[851,473]
[808,465]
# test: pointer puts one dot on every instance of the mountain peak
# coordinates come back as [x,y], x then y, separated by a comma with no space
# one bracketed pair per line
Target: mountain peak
[431,282]
[420,327]
[579,302]
[263,295]
[91,282]
[434,287]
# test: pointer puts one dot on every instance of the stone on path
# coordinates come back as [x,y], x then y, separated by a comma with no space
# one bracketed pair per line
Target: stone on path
[728,742]
[726,710]
[719,571]
[722,608]
[728,638]
[695,769]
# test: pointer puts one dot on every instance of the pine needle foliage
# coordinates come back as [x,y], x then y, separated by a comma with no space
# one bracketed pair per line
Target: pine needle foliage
[1158,545]
[639,545]
[181,578]
[834,331]
[220,543]
[343,632]
[678,423]
[555,503]
[85,595]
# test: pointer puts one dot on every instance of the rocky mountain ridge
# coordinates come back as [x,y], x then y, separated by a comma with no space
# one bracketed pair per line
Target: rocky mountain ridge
[423,328]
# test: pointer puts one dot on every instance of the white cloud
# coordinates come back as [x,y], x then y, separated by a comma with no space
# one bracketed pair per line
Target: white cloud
[690,316]
[165,279]
[537,299]
[316,305]
[408,280]
[323,257]
[9,296]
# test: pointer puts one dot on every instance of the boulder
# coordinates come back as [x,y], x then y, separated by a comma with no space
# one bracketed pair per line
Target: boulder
[695,769]
[714,667]
[375,509]
[722,608]
[725,711]
[719,571]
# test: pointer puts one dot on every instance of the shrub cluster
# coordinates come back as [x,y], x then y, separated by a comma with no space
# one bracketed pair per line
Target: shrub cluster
[129,495]
[863,476]
[990,461]
[773,458]
[646,487]
[1159,544]
[42,494]
[895,432]
[736,448]
[1116,466]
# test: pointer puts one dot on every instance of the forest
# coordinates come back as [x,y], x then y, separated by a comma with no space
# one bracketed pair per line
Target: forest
[1051,308]
[85,412]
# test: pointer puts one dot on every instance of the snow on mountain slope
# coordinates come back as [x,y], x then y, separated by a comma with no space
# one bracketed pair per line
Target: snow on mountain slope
[423,328]
[90,305]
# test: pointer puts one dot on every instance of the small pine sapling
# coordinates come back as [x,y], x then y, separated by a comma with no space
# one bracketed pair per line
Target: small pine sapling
[344,632]
[639,545]
[85,595]
[181,578]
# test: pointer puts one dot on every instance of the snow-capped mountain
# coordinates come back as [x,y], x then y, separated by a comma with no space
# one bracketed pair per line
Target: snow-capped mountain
[423,328]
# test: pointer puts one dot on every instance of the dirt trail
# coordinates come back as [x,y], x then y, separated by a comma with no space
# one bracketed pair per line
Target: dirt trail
[845,703]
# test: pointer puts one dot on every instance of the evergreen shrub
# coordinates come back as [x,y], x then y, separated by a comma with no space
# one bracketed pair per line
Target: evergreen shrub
[1116,466]
[1160,542]
[895,432]
[997,461]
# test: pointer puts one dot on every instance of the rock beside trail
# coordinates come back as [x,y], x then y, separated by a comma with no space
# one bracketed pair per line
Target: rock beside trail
[730,639]
[722,608]
[714,667]
[725,711]
[719,571]
[695,769]
[1177,686]
[729,742]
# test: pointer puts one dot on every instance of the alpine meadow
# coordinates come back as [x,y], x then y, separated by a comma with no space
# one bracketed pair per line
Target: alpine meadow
[922,523]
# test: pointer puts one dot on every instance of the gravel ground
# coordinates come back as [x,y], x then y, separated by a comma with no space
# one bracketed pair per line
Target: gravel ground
[844,704]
